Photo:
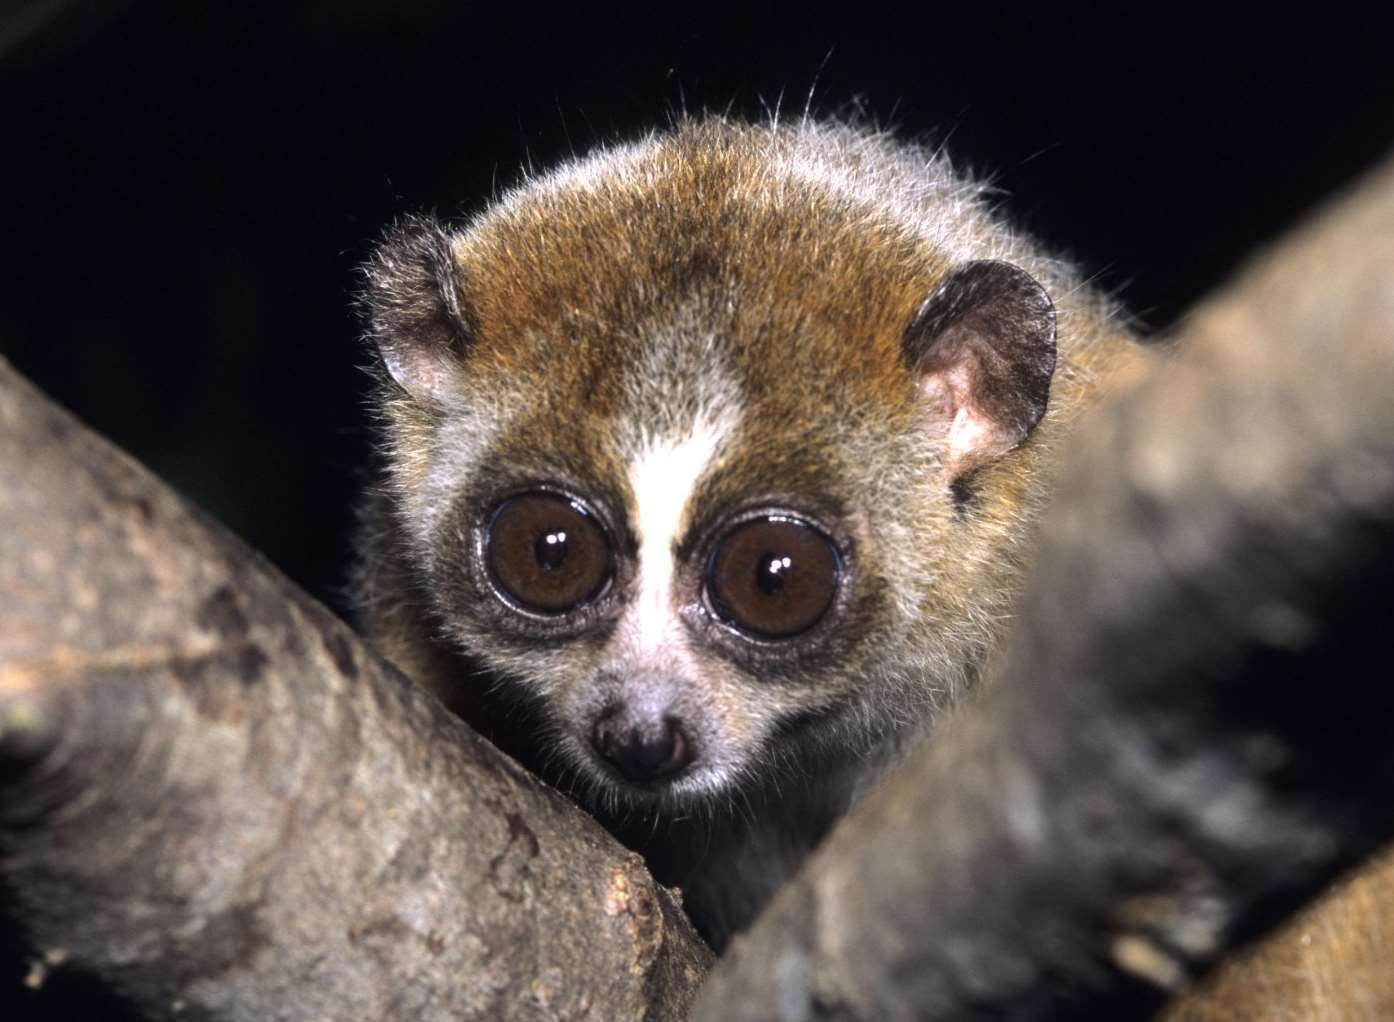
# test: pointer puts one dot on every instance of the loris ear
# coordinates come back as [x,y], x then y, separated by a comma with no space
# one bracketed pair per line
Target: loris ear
[413,306]
[982,349]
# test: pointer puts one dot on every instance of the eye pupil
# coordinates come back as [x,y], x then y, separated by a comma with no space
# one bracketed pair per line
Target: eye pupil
[550,550]
[772,573]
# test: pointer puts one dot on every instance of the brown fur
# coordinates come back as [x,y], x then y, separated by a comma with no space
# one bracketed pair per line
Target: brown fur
[775,271]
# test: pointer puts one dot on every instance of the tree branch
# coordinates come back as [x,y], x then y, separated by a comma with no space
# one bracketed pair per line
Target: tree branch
[1190,731]
[214,798]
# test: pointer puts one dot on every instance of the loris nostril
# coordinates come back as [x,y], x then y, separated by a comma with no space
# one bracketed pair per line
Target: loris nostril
[642,753]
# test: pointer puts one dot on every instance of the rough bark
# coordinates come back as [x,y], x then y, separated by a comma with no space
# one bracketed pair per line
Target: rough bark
[1190,732]
[215,799]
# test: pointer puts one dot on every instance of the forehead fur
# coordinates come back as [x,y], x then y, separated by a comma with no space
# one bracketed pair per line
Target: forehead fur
[785,259]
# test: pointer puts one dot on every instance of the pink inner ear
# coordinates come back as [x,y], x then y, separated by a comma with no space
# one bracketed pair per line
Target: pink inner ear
[427,375]
[971,437]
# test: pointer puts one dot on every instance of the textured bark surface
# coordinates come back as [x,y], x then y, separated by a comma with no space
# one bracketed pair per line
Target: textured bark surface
[214,798]
[1190,733]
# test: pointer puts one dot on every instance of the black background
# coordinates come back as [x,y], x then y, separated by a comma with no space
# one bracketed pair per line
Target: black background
[187,188]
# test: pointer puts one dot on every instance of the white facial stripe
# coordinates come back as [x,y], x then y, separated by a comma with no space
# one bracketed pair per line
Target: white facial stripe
[662,478]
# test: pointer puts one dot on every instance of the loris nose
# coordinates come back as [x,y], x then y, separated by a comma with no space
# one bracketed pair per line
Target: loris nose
[641,750]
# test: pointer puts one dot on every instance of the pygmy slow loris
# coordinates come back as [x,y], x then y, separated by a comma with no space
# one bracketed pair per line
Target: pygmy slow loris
[712,463]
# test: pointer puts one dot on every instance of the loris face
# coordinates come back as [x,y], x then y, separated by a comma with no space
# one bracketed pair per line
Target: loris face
[668,627]
[675,443]
[675,574]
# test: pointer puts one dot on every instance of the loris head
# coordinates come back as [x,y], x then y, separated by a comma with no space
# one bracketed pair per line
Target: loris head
[710,446]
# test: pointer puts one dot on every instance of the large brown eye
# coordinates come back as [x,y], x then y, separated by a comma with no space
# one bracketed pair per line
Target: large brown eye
[773,577]
[546,552]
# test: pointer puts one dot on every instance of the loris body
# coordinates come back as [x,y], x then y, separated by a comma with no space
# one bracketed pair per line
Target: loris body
[712,463]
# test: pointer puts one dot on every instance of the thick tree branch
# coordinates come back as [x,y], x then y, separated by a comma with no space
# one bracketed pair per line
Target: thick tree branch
[1190,732]
[215,799]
